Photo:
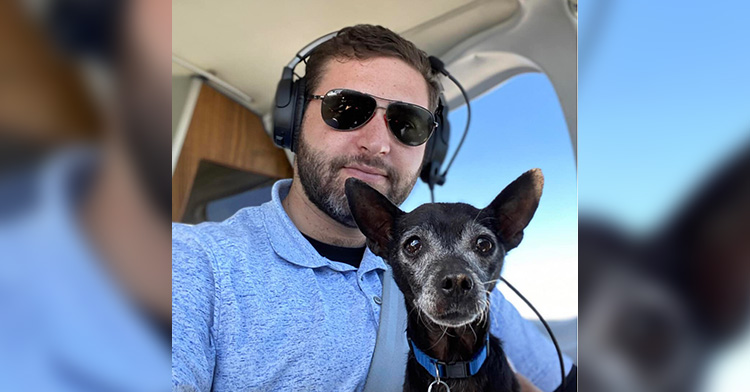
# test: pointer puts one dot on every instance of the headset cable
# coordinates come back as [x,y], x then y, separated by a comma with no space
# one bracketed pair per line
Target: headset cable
[438,65]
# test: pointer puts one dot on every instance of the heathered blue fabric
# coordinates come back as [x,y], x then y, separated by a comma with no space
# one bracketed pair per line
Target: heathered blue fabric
[66,321]
[256,308]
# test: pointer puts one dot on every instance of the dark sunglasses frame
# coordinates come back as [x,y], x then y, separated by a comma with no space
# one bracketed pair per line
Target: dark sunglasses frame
[431,122]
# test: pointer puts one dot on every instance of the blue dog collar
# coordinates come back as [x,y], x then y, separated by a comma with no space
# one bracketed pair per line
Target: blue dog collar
[461,369]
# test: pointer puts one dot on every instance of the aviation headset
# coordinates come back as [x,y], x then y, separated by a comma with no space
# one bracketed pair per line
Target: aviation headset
[289,109]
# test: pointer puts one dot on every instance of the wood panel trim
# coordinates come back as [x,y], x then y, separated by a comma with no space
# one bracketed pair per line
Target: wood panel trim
[226,133]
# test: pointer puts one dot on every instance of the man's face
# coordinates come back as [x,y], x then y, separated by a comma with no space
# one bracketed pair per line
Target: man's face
[327,157]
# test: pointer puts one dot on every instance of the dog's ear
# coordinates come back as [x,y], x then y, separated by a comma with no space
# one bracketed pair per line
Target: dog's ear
[513,208]
[374,214]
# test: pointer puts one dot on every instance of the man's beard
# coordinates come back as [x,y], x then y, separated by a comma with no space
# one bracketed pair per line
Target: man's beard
[319,180]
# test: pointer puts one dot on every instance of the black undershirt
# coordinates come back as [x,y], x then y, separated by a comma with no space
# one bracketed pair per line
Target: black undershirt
[351,256]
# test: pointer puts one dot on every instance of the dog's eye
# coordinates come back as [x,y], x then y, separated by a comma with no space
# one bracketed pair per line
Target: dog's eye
[483,245]
[412,245]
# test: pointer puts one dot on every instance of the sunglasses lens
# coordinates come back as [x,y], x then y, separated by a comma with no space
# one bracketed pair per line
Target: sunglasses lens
[346,110]
[411,125]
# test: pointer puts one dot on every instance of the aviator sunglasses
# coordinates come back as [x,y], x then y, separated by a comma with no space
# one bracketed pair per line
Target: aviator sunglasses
[347,110]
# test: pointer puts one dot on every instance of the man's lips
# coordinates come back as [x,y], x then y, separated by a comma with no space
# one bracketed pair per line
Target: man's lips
[365,173]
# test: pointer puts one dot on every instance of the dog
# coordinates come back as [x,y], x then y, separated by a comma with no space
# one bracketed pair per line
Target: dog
[446,258]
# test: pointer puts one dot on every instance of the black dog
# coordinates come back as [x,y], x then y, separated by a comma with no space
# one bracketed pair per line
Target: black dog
[446,258]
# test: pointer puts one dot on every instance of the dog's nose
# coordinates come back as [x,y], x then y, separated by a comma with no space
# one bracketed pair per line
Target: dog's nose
[459,284]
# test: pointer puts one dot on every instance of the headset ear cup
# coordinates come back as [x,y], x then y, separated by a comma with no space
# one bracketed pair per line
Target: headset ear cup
[283,110]
[437,147]
[299,100]
[427,160]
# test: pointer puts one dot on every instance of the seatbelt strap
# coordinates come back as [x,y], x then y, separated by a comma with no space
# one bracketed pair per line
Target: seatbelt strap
[388,366]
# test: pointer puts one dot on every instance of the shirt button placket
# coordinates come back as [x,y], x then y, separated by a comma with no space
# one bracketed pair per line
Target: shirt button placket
[375,300]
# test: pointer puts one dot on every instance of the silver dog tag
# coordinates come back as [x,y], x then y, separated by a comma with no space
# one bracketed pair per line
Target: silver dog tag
[439,382]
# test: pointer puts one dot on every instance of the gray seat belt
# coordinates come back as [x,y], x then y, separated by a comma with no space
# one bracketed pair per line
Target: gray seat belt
[388,366]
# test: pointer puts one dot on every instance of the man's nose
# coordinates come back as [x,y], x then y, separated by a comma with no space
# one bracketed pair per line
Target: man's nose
[374,137]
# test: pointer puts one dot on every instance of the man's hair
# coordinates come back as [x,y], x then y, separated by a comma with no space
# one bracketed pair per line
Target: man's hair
[364,42]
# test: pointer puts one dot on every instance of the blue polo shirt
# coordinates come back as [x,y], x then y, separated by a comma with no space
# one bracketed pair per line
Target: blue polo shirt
[256,308]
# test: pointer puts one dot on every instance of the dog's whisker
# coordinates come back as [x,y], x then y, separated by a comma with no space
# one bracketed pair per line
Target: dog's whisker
[445,329]
[475,334]
[484,316]
[481,314]
[477,216]
[423,322]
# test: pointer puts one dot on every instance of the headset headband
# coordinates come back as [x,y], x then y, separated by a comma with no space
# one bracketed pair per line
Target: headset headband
[305,52]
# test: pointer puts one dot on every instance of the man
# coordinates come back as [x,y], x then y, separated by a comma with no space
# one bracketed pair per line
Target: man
[285,296]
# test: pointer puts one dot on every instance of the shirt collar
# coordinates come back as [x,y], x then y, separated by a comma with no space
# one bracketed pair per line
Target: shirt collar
[287,241]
